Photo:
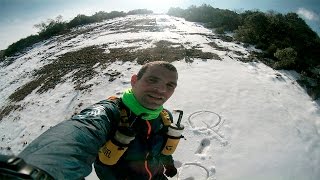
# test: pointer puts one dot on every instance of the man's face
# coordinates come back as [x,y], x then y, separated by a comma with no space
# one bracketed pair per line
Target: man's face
[155,86]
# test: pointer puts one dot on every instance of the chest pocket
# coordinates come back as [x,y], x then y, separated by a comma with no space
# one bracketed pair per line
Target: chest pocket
[149,140]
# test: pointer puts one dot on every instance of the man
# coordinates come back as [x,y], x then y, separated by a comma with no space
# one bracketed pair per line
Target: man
[68,150]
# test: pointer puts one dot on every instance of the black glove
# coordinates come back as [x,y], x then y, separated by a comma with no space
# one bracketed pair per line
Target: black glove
[12,167]
[170,170]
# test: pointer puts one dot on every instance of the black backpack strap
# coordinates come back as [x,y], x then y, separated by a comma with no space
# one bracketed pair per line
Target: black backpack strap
[124,120]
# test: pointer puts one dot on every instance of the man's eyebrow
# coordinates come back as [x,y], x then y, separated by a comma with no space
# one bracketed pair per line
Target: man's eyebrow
[173,83]
[155,77]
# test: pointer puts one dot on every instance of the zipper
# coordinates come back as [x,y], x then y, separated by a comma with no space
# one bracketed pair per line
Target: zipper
[146,159]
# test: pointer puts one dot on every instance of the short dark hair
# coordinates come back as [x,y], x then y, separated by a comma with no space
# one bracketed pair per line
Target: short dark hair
[164,64]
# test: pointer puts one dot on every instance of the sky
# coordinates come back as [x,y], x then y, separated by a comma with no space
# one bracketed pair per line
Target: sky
[242,120]
[17,17]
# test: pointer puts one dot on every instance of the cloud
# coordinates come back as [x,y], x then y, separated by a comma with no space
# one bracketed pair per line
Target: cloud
[308,14]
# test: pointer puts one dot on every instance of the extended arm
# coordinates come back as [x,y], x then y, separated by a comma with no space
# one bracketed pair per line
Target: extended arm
[67,150]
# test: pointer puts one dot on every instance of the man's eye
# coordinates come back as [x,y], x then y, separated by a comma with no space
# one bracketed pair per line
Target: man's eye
[170,86]
[152,80]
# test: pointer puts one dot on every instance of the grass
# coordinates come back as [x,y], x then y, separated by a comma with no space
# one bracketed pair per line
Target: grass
[7,109]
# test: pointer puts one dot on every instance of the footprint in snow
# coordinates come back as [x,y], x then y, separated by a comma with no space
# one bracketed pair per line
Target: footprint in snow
[203,147]
[194,171]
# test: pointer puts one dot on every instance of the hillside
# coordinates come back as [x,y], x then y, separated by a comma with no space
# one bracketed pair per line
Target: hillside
[243,120]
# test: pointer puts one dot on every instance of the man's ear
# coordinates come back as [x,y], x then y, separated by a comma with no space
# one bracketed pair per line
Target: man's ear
[134,79]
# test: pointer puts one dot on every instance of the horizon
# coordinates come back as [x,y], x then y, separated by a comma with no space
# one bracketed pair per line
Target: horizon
[17,17]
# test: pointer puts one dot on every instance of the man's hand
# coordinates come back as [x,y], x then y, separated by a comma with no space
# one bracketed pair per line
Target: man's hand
[12,167]
[170,170]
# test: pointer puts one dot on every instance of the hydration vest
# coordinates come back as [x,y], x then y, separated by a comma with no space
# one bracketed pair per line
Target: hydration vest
[111,152]
[166,120]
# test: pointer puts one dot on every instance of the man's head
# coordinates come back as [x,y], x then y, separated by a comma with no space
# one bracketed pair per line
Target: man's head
[154,84]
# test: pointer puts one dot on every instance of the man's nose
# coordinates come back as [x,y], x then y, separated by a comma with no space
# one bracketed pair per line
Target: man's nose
[160,88]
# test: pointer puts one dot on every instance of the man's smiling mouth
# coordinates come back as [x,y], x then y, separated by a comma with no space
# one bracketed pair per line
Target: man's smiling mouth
[156,97]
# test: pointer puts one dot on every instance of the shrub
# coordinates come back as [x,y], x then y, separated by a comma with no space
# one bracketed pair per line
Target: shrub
[287,58]
[214,17]
[53,29]
[101,15]
[219,30]
[21,45]
[80,20]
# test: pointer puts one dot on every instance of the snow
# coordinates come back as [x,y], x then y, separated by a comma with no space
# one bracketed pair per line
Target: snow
[242,120]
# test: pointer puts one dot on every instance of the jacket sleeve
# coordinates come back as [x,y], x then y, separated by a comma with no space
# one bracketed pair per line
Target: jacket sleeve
[67,150]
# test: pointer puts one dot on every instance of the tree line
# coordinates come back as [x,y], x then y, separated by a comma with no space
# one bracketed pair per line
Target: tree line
[57,26]
[286,40]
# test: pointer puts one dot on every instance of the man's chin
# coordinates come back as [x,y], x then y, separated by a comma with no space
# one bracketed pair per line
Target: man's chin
[153,103]
[153,106]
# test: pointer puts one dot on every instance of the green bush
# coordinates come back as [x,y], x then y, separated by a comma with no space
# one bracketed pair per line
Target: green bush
[219,30]
[80,20]
[214,17]
[101,15]
[54,29]
[21,45]
[287,58]
[271,31]
[271,49]
[97,17]
[254,28]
